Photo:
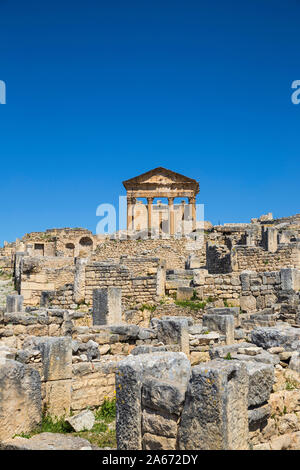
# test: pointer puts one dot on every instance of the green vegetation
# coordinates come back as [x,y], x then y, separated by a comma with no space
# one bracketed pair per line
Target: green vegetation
[291,384]
[107,411]
[100,435]
[191,304]
[228,357]
[152,308]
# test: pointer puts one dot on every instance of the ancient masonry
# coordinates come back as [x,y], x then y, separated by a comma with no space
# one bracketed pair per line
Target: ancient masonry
[194,328]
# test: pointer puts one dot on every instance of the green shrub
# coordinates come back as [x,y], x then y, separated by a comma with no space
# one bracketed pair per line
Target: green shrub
[107,411]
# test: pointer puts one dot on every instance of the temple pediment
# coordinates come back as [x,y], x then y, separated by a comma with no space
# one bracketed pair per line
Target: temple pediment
[161,177]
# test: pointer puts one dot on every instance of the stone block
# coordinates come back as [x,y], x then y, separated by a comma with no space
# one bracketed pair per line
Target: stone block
[215,414]
[82,421]
[14,303]
[184,293]
[159,395]
[153,442]
[174,330]
[131,373]
[107,306]
[221,323]
[21,399]
[261,379]
[248,303]
[58,398]
[277,336]
[159,424]
[56,355]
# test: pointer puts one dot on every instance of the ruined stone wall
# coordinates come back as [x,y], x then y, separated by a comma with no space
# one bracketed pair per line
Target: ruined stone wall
[250,290]
[175,252]
[258,259]
[218,259]
[44,274]
[134,289]
[6,265]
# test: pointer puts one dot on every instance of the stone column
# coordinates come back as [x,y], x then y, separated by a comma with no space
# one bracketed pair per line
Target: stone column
[130,216]
[271,239]
[182,217]
[171,215]
[192,202]
[149,202]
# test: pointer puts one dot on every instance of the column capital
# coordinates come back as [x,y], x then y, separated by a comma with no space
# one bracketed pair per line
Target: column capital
[171,201]
[150,200]
[131,200]
[192,200]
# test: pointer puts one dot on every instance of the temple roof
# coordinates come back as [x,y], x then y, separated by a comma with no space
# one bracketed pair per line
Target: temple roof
[161,177]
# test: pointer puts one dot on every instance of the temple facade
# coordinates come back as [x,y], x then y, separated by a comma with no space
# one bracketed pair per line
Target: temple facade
[146,214]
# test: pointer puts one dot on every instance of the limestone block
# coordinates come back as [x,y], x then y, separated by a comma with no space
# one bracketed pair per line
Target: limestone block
[261,379]
[184,293]
[222,323]
[193,262]
[173,368]
[82,421]
[47,441]
[107,306]
[58,398]
[199,277]
[174,330]
[159,424]
[153,442]
[56,355]
[248,303]
[277,336]
[21,400]
[215,414]
[14,303]
[294,363]
[160,395]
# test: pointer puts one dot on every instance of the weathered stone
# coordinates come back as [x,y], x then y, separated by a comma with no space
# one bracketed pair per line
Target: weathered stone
[153,442]
[21,400]
[184,293]
[161,425]
[257,416]
[286,337]
[248,303]
[261,379]
[107,306]
[132,372]
[222,323]
[215,413]
[14,303]
[160,395]
[83,421]
[47,441]
[174,330]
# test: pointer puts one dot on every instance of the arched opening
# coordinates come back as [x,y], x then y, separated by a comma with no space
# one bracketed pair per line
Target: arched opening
[85,246]
[70,247]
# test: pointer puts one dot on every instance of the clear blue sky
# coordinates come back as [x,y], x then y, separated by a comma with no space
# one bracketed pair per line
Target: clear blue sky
[98,92]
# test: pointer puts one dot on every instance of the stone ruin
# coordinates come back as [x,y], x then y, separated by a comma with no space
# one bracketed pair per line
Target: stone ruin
[198,337]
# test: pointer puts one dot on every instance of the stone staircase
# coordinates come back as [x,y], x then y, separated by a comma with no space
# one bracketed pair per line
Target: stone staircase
[6,288]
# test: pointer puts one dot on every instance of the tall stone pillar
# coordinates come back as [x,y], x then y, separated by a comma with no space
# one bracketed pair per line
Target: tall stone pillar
[130,216]
[182,217]
[171,215]
[149,202]
[192,202]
